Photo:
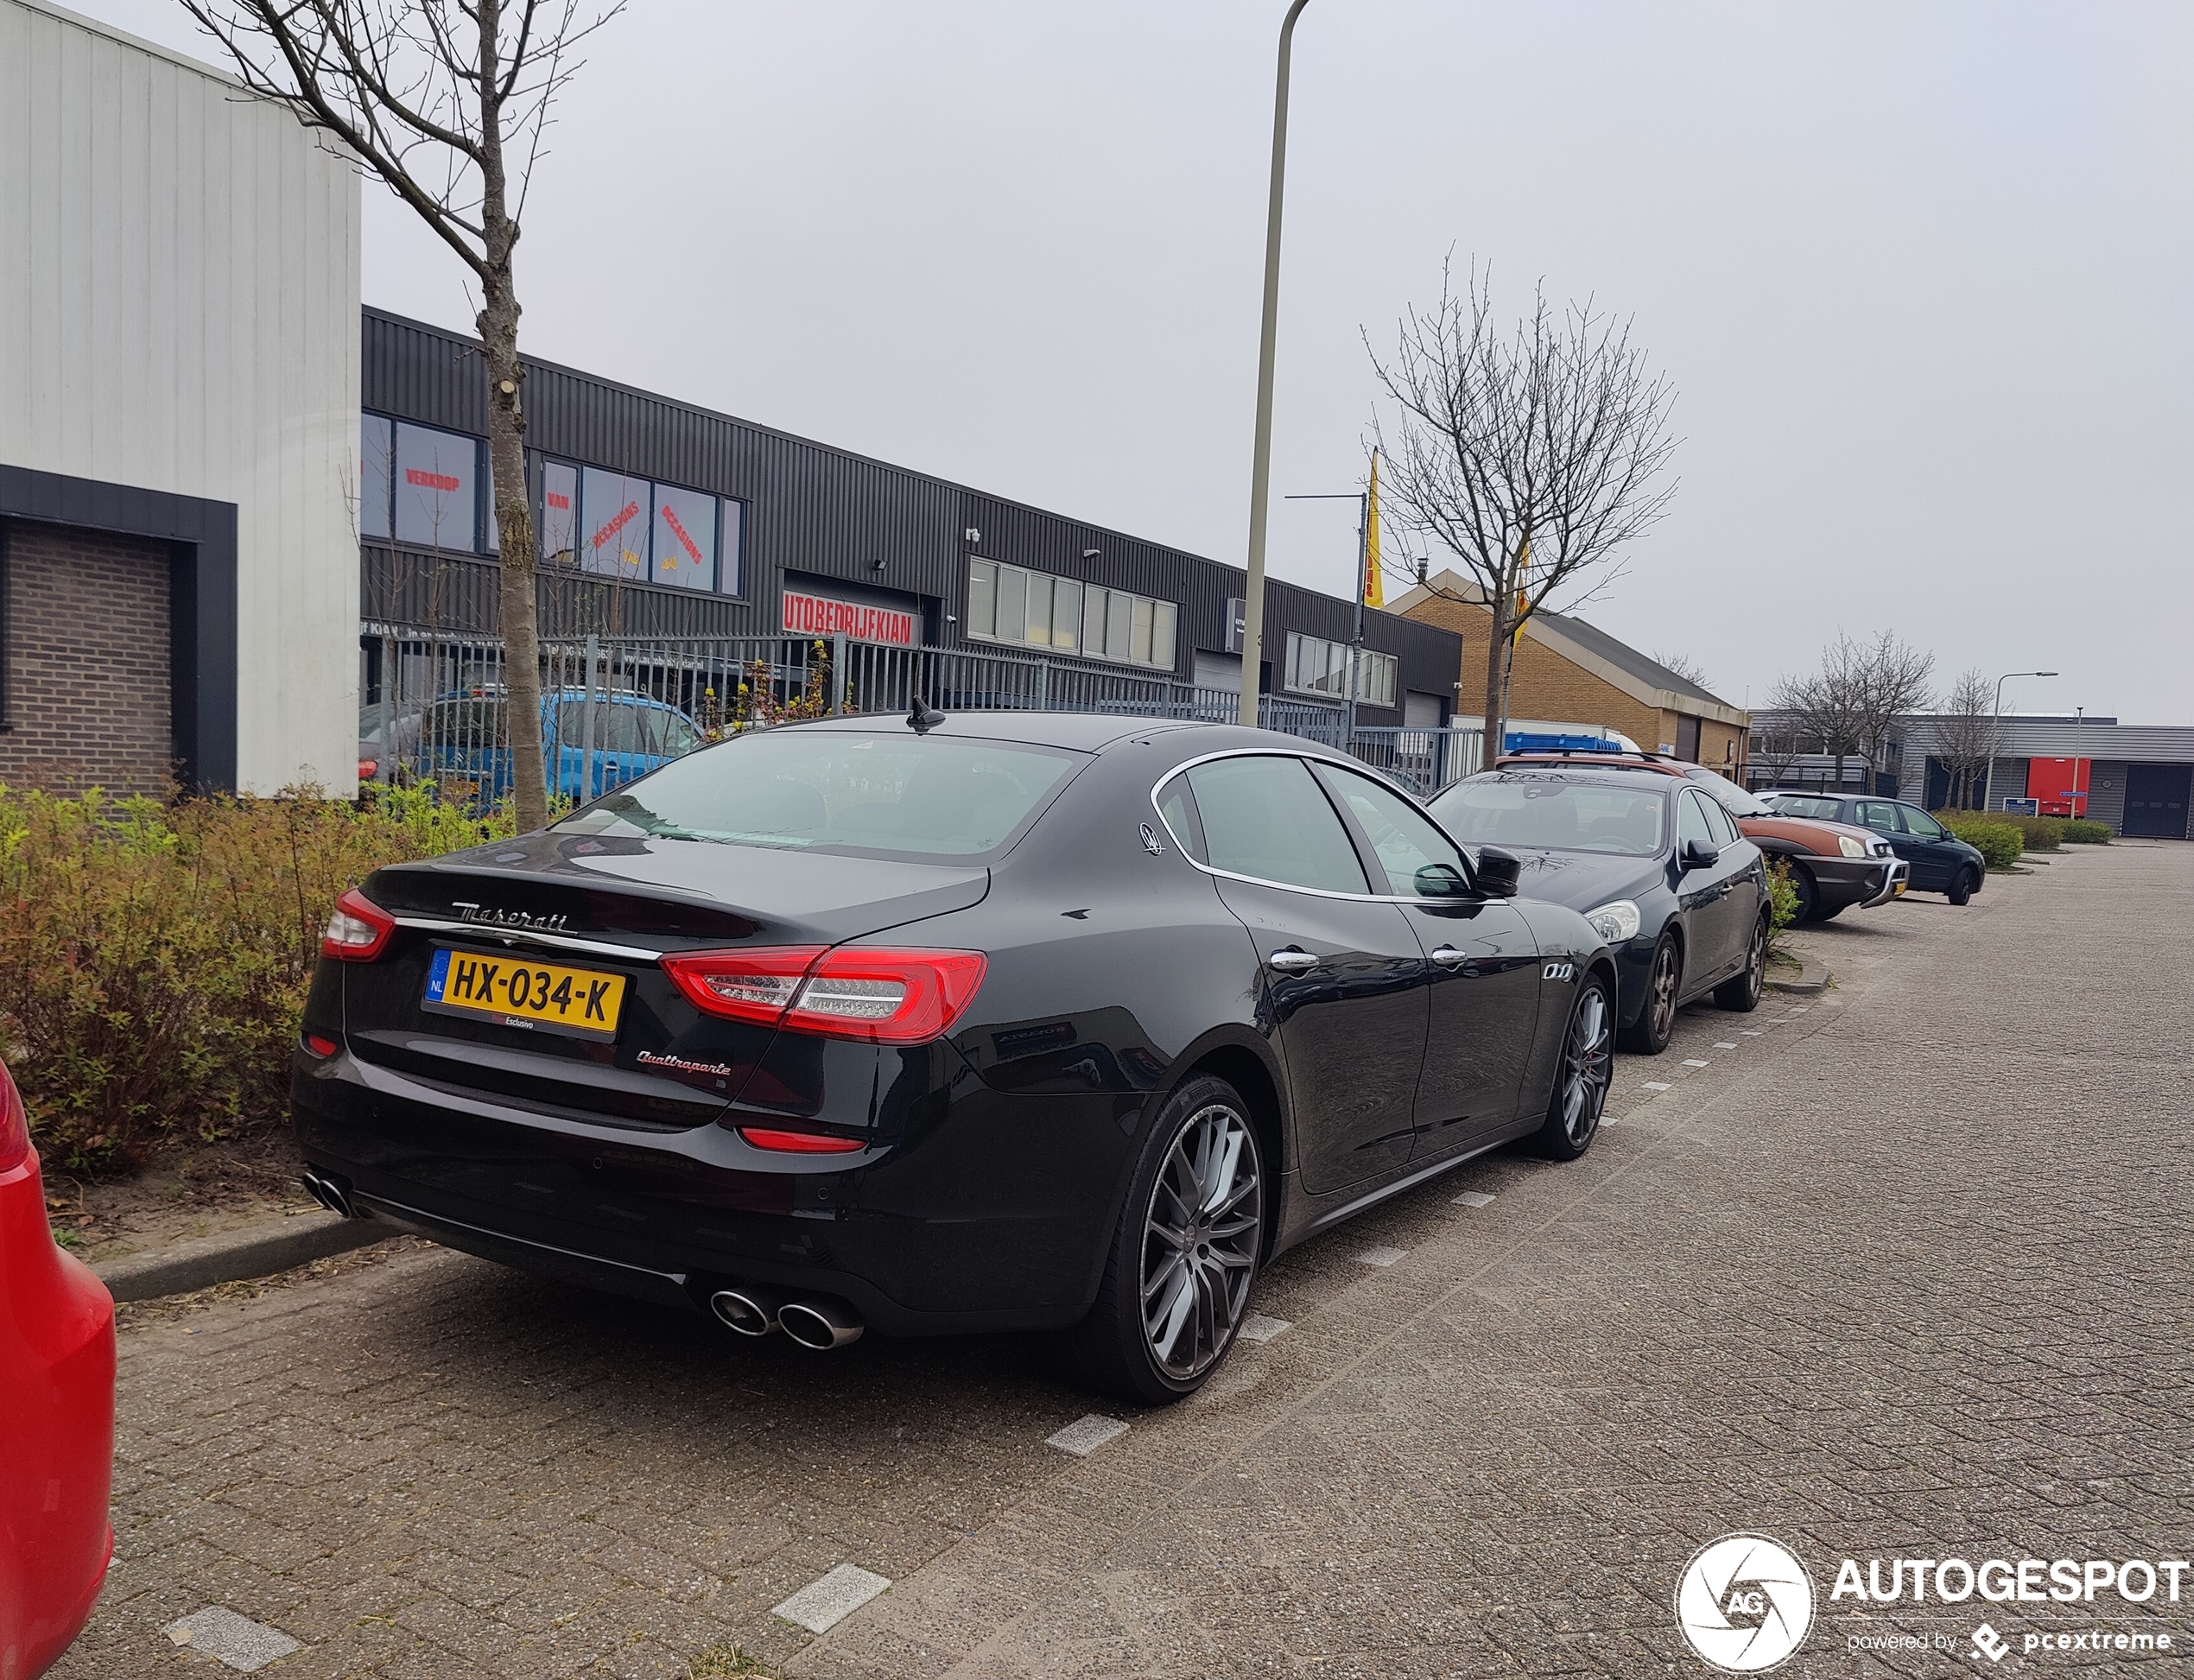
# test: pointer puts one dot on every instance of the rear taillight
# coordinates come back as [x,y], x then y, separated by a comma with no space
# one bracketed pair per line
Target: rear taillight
[358,931]
[14,1124]
[878,996]
[800,1143]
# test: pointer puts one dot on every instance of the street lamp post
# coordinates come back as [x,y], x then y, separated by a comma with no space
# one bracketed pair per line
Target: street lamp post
[1260,466]
[1995,725]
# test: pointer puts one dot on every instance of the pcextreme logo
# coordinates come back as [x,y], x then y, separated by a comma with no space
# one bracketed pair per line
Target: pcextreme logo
[1744,1603]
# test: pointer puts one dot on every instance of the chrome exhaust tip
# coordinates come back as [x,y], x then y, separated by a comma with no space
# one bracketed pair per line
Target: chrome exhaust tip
[748,1309]
[820,1324]
[329,1193]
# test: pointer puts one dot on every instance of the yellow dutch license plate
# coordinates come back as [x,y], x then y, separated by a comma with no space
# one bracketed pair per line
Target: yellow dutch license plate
[543,996]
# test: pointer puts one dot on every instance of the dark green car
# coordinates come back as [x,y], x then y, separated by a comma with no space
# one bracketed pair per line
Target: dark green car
[1940,861]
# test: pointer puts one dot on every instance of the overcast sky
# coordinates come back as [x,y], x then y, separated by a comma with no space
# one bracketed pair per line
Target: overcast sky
[1922,276]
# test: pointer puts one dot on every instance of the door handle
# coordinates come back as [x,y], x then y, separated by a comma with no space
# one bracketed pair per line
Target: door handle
[1289,962]
[1447,957]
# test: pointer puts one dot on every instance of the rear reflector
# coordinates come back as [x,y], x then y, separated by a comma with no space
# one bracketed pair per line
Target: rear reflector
[878,996]
[800,1143]
[322,1047]
[14,1124]
[358,931]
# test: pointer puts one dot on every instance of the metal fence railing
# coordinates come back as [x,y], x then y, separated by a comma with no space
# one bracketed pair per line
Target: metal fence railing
[614,707]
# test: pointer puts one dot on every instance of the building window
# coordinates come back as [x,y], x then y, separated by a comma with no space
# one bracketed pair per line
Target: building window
[1034,609]
[558,513]
[613,514]
[437,488]
[730,562]
[377,474]
[1316,666]
[685,538]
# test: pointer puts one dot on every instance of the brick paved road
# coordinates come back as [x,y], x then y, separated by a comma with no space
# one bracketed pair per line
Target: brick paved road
[1906,1272]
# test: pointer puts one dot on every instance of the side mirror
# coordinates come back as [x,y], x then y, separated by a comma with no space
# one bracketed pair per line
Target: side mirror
[1440,881]
[1499,871]
[1699,854]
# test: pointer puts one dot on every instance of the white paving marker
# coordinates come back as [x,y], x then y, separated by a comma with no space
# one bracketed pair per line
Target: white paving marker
[1474,1199]
[1725,1047]
[1086,1436]
[822,1605]
[1800,1009]
[1751,1032]
[1657,1085]
[1258,1328]
[1694,1062]
[227,1638]
[1381,1257]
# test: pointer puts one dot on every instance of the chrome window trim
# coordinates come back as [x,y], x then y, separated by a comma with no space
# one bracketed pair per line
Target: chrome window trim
[489,930]
[1306,759]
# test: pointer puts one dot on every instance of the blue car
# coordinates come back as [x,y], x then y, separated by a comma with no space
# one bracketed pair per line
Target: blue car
[465,737]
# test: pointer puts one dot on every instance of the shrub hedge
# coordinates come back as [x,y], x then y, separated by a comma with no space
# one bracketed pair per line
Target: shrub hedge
[154,959]
[2000,843]
[2078,831]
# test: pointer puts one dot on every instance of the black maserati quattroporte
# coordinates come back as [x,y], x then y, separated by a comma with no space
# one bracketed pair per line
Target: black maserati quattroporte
[999,1020]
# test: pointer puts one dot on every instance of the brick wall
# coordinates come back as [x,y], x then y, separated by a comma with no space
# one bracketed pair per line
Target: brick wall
[90,690]
[1543,684]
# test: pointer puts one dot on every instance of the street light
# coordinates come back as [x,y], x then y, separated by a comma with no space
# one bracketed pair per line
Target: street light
[1260,465]
[1995,726]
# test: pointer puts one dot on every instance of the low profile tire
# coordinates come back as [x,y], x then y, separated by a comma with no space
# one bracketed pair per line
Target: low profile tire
[1741,992]
[1178,1280]
[1649,1034]
[1581,1077]
[1963,886]
[1809,895]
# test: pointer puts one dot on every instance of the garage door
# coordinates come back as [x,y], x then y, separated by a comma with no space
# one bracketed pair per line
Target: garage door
[2156,800]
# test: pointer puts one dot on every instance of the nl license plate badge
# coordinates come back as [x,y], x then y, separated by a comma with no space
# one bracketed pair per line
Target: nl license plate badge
[536,997]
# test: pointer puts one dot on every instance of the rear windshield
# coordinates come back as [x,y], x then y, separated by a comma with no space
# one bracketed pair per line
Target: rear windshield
[896,795]
[1738,802]
[1561,816]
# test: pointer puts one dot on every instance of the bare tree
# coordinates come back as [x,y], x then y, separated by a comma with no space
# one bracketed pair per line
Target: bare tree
[1965,734]
[1682,665]
[1531,458]
[445,102]
[1853,703]
[1894,685]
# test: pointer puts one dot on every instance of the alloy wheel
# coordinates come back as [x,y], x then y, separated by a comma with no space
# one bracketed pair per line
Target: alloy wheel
[1200,1238]
[1756,969]
[1587,1067]
[1663,996]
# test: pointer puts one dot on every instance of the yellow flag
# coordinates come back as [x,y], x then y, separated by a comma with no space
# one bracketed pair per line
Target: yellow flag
[1374,591]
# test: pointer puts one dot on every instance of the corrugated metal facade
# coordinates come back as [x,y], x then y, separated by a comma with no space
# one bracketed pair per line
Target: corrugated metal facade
[822,511]
[178,309]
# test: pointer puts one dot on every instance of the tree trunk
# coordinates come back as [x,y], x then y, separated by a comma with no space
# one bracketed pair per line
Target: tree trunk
[507,447]
[1496,681]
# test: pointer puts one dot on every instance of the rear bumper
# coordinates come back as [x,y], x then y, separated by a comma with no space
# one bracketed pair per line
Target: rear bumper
[985,1212]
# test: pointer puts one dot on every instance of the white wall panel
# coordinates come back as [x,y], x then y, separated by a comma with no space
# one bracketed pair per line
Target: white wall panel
[179,311]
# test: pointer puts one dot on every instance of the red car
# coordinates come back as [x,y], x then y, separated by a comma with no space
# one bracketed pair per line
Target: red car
[57,1377]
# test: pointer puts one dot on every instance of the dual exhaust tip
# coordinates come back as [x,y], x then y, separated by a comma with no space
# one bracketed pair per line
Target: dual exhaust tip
[816,1322]
[331,1193]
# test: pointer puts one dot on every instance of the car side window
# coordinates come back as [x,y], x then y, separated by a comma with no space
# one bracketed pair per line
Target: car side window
[1691,822]
[1918,823]
[1879,816]
[1725,831]
[1265,816]
[1178,807]
[1405,840]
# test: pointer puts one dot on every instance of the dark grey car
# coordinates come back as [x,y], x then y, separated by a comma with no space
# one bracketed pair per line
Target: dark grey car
[1940,861]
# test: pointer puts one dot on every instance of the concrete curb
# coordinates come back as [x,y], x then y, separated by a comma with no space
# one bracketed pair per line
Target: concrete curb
[1812,976]
[257,1250]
